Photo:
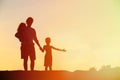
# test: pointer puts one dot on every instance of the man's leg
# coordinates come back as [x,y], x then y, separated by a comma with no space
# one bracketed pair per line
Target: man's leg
[32,57]
[25,64]
[32,64]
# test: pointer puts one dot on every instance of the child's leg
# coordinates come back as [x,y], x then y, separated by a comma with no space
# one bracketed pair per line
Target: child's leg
[50,67]
[46,68]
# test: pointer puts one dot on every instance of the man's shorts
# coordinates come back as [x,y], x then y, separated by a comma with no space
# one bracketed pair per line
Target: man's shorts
[28,50]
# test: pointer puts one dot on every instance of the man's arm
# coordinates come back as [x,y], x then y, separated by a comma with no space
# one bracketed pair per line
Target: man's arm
[36,40]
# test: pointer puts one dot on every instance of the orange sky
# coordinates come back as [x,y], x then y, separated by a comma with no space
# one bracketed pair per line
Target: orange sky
[87,29]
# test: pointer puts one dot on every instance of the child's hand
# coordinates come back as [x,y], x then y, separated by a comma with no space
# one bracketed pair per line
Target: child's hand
[64,50]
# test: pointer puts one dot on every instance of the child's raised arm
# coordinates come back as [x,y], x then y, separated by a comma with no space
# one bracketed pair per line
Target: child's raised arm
[59,49]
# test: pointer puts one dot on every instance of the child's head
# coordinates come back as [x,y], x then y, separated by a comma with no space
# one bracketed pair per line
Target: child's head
[47,40]
[21,27]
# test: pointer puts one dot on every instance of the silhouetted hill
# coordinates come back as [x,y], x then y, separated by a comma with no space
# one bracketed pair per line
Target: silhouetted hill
[60,75]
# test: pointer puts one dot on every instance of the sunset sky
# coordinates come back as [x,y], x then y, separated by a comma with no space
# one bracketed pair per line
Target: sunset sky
[88,29]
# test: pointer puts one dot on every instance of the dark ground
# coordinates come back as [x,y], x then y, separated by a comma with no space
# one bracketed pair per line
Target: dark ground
[60,75]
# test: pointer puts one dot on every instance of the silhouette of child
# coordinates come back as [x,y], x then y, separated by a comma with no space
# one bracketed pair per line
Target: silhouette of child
[21,32]
[48,56]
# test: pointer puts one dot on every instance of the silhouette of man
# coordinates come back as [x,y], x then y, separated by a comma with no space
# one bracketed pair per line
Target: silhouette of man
[27,45]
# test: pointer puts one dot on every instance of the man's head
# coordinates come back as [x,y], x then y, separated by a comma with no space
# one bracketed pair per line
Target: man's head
[29,21]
